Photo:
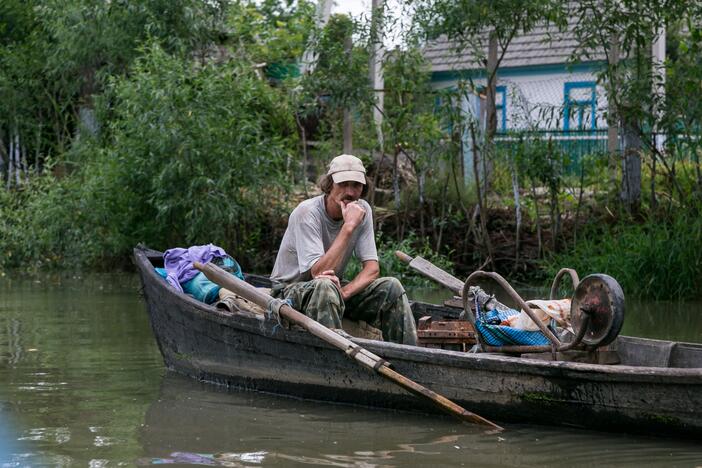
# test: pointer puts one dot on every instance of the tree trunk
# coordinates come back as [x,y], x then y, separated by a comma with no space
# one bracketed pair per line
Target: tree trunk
[654,200]
[538,221]
[658,91]
[580,204]
[612,120]
[18,161]
[396,186]
[348,125]
[481,207]
[309,58]
[420,189]
[491,113]
[555,220]
[305,154]
[517,213]
[442,219]
[11,161]
[375,69]
[633,144]
[3,167]
[698,171]
[631,168]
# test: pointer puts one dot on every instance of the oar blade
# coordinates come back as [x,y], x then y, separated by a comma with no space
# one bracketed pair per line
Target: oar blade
[432,272]
[439,401]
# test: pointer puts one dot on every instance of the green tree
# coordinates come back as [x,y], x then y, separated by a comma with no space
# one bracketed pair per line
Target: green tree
[55,52]
[187,155]
[272,33]
[624,31]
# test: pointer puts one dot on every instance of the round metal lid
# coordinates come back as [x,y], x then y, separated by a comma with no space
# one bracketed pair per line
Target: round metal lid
[601,297]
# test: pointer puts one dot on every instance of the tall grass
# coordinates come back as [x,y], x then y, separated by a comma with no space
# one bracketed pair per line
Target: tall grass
[657,259]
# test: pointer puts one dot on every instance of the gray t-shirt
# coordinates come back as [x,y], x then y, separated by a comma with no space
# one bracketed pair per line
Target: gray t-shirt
[309,235]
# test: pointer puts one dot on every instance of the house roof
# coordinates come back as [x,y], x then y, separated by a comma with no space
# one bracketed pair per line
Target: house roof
[543,45]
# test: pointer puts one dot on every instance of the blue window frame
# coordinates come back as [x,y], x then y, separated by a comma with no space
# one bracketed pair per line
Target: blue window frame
[501,107]
[579,106]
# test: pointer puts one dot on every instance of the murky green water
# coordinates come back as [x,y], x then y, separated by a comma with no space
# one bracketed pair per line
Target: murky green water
[82,384]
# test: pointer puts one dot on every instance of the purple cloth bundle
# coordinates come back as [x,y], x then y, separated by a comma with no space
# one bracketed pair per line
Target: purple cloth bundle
[179,262]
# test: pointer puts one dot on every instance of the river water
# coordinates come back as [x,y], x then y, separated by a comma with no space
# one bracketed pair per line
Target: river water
[82,384]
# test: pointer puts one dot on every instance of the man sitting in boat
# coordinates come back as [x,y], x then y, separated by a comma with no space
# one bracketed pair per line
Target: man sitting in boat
[322,234]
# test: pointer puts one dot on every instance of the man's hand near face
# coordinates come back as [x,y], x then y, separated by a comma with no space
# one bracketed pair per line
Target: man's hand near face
[352,212]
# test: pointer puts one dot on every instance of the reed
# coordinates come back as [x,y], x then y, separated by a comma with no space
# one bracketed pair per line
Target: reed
[657,259]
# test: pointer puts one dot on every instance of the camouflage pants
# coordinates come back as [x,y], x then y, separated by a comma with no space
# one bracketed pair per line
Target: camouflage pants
[382,304]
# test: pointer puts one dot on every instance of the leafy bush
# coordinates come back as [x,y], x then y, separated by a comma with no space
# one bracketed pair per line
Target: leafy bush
[656,259]
[187,156]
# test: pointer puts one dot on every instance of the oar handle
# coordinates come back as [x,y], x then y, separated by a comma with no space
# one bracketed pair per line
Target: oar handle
[403,256]
[361,355]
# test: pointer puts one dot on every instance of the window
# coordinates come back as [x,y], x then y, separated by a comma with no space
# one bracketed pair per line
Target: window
[579,106]
[501,108]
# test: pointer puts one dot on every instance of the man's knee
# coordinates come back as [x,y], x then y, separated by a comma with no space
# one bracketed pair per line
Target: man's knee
[392,287]
[326,288]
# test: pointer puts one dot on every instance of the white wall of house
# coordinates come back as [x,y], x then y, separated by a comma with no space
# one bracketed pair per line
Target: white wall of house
[538,101]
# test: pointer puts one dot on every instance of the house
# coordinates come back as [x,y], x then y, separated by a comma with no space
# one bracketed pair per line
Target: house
[538,88]
[534,77]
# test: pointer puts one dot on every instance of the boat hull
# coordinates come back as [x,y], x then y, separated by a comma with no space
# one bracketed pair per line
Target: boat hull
[247,351]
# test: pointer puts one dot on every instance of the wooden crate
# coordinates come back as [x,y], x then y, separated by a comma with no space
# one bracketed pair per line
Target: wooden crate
[456,335]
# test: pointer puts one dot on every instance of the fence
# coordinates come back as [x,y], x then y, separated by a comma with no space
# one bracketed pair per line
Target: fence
[575,144]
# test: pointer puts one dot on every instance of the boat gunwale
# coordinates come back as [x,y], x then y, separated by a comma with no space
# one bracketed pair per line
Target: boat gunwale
[457,359]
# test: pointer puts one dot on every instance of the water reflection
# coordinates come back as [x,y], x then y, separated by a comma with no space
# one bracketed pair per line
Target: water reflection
[199,424]
[78,366]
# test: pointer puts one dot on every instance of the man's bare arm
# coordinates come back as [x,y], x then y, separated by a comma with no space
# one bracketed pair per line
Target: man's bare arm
[332,257]
[353,217]
[368,274]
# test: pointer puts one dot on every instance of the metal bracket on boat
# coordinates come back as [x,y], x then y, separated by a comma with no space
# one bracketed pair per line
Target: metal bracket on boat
[597,312]
[557,281]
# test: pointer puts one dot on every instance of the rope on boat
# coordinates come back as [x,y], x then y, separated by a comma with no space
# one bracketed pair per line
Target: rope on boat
[273,313]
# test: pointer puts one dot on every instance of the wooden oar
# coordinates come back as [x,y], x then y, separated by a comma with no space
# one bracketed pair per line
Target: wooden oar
[353,350]
[431,271]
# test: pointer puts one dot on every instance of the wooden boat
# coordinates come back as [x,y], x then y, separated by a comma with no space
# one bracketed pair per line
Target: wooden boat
[656,389]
